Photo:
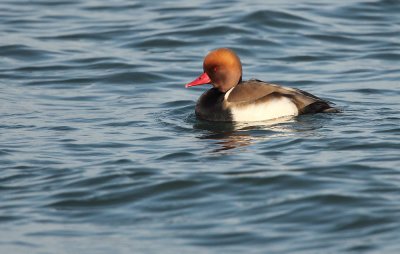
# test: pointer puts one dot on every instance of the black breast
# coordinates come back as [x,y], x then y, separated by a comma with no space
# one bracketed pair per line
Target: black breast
[210,106]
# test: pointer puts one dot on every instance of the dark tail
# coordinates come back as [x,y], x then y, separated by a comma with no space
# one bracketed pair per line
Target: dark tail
[319,107]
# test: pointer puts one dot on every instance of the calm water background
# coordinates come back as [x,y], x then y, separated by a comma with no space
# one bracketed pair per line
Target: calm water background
[100,151]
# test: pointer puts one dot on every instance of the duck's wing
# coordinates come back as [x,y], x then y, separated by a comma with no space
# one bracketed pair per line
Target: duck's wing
[254,91]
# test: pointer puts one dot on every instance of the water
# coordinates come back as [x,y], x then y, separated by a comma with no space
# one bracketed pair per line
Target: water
[100,150]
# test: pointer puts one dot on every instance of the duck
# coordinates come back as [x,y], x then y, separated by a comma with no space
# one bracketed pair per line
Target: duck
[233,100]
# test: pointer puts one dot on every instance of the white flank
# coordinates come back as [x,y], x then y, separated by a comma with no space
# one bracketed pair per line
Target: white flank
[264,111]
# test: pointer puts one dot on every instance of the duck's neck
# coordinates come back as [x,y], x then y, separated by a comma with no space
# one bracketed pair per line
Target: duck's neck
[230,88]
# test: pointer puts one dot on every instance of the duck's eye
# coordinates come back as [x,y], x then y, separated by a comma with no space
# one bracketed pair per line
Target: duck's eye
[215,69]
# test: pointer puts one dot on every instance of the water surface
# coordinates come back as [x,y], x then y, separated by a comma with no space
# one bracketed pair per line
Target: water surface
[100,150]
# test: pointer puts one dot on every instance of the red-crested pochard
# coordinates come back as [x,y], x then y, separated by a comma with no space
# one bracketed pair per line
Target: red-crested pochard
[232,99]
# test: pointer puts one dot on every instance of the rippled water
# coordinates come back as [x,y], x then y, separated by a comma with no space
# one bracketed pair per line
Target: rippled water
[101,152]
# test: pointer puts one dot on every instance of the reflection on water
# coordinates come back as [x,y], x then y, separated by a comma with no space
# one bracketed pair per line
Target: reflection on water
[242,134]
[231,140]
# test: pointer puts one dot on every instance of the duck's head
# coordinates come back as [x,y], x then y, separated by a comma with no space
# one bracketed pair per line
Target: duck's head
[222,69]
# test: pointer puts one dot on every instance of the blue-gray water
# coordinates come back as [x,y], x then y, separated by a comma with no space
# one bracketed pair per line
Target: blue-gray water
[100,151]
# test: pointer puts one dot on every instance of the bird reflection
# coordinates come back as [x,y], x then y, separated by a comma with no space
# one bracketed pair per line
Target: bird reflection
[235,135]
[230,140]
